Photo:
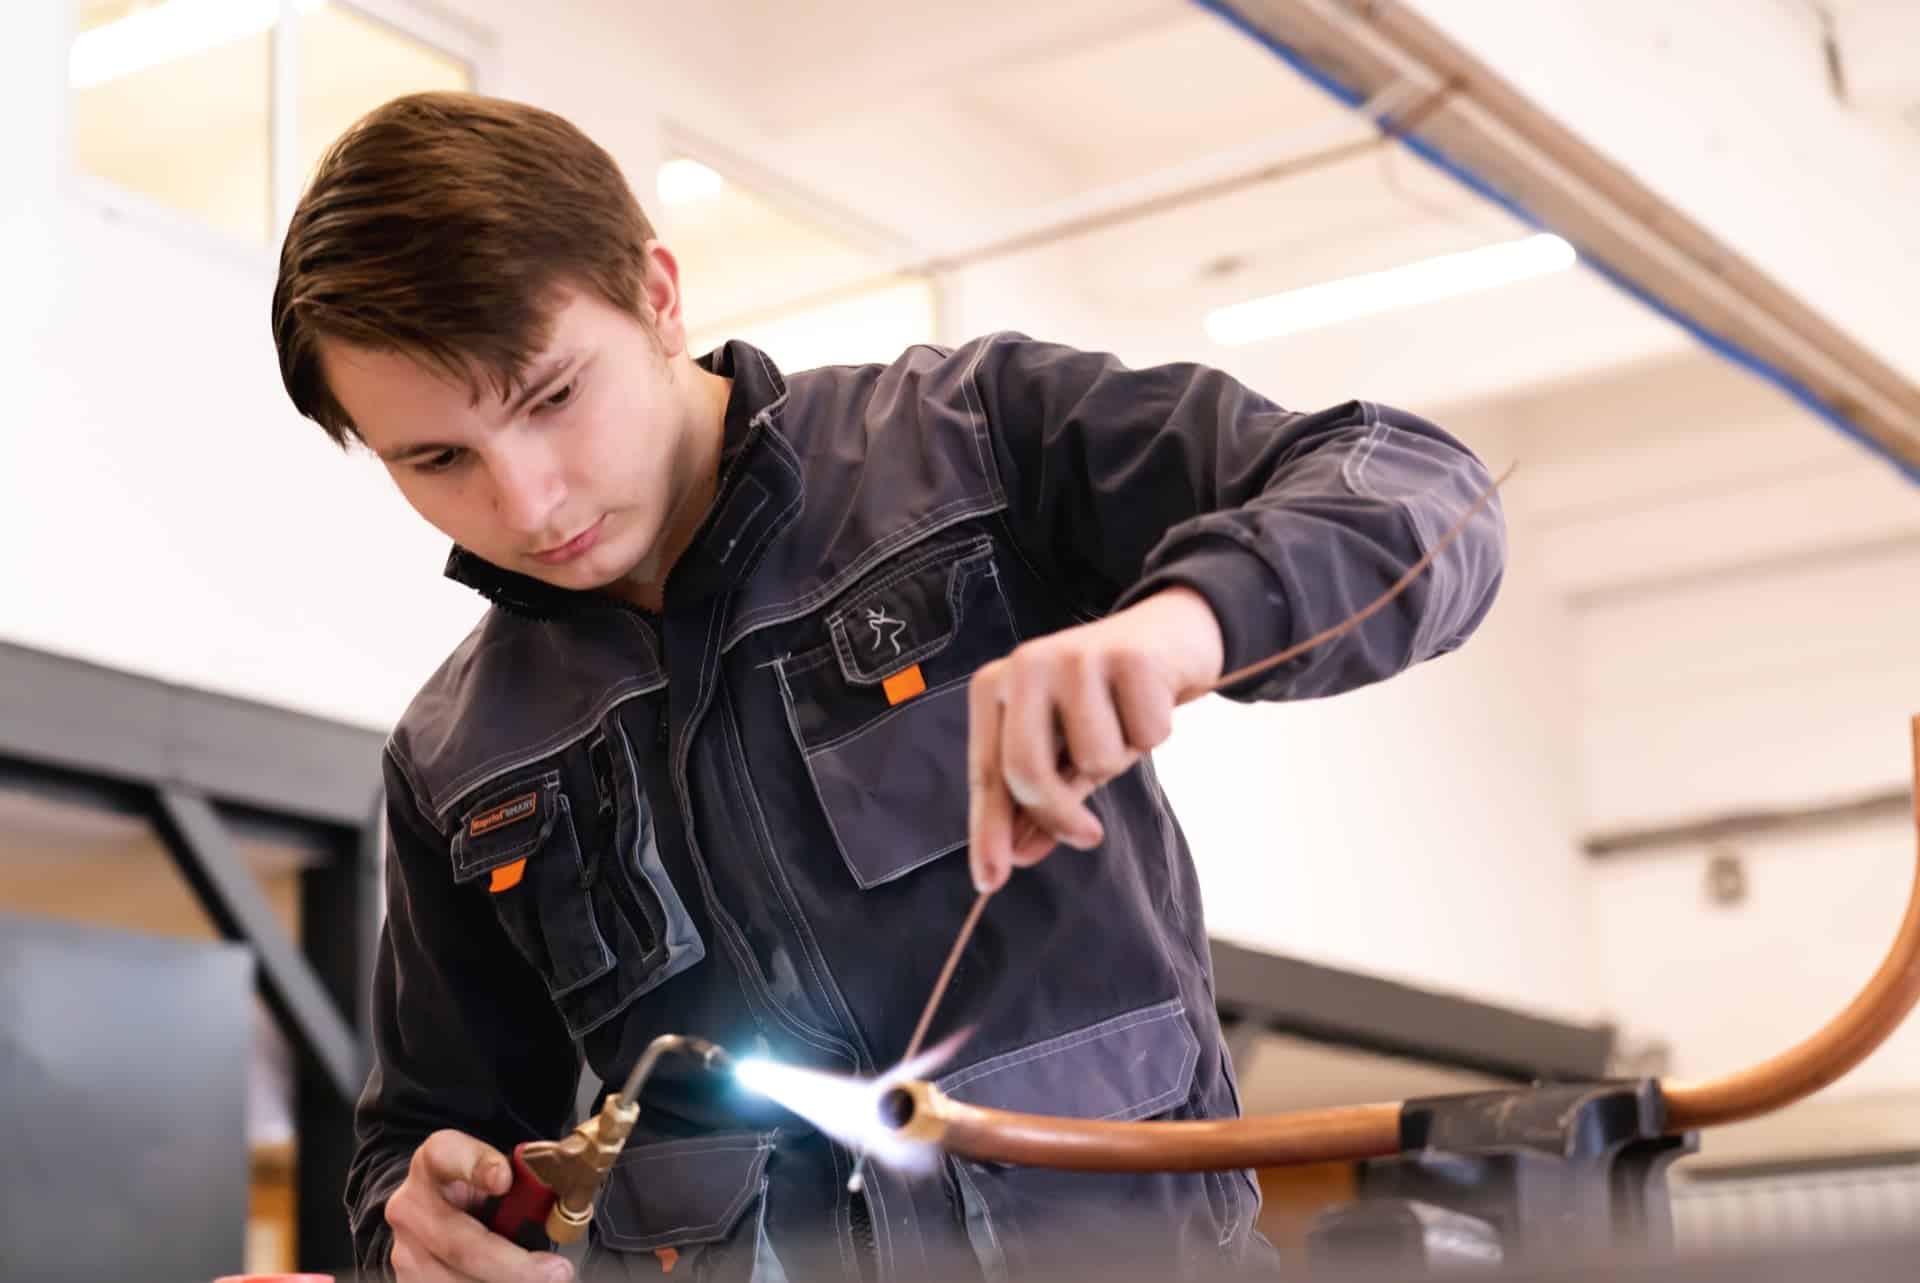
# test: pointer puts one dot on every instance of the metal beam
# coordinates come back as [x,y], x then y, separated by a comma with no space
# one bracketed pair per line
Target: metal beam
[66,714]
[1734,826]
[340,912]
[200,845]
[1346,1008]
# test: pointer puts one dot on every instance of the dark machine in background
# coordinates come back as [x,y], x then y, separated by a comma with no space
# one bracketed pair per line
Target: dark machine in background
[124,1123]
[205,770]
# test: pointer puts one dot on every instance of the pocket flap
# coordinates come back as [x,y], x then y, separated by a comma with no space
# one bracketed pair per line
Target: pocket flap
[1124,1068]
[505,823]
[676,1192]
[911,613]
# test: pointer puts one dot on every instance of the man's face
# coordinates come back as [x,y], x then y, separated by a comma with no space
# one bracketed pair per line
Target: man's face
[572,478]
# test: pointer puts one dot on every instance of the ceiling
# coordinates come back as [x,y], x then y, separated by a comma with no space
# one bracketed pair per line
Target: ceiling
[950,128]
[864,136]
[1011,117]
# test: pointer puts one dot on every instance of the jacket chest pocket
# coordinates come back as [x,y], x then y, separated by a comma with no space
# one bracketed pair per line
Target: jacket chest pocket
[880,711]
[597,918]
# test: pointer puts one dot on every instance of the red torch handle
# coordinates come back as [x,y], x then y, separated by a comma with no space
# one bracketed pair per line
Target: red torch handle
[521,1213]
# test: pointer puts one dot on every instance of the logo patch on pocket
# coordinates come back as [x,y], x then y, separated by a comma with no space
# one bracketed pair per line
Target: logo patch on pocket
[886,630]
[510,812]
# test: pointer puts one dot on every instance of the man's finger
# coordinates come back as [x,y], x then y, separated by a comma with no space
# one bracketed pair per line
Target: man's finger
[448,1156]
[470,1249]
[1143,702]
[1030,750]
[1096,745]
[989,807]
[1032,843]
[413,1264]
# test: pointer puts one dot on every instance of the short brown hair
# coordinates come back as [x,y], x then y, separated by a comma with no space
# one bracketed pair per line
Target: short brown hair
[439,225]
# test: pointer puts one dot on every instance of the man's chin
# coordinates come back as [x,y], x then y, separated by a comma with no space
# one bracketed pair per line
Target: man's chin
[590,573]
[576,577]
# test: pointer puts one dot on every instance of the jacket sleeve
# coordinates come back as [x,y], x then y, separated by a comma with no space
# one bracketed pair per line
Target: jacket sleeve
[464,1034]
[1121,483]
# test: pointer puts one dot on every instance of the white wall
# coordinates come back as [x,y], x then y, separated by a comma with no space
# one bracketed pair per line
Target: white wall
[1760,690]
[1743,586]
[1766,691]
[1420,829]
[1730,985]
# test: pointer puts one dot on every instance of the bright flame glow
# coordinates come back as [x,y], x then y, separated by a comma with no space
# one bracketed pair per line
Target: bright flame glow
[1352,297]
[848,1109]
[176,29]
[682,181]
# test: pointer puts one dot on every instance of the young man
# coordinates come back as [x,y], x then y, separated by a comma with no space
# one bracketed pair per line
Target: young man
[777,667]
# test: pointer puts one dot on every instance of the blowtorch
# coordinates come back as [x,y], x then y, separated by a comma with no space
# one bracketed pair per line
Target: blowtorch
[555,1181]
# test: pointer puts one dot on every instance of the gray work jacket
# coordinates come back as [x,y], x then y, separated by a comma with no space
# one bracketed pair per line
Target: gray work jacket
[732,826]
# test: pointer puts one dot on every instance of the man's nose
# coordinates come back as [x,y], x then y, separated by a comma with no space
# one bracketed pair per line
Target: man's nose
[527,488]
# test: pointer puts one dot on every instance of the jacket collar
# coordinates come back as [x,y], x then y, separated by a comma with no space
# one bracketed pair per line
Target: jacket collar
[757,490]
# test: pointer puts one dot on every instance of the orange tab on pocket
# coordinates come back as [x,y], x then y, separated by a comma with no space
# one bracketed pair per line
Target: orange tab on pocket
[507,876]
[904,685]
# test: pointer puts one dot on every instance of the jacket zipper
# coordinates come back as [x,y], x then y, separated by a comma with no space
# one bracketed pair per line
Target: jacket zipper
[866,1249]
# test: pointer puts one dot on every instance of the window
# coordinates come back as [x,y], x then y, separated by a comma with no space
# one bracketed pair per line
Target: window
[803,283]
[350,64]
[218,109]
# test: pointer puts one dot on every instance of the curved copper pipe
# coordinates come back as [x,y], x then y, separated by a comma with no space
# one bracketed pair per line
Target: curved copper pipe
[918,1110]
[1847,1039]
[1039,1140]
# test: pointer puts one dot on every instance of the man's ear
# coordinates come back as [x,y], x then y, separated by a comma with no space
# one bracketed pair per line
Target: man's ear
[660,293]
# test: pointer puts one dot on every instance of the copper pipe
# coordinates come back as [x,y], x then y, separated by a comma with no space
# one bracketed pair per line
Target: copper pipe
[921,1111]
[1848,1038]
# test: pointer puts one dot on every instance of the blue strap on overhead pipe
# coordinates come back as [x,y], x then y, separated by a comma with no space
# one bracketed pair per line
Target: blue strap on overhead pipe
[1434,156]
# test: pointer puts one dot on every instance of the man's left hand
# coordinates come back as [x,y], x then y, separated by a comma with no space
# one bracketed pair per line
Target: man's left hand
[1065,713]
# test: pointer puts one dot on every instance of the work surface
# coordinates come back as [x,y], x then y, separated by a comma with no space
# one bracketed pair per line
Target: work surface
[1887,1261]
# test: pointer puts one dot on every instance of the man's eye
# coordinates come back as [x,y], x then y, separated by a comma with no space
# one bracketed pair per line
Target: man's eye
[559,398]
[440,460]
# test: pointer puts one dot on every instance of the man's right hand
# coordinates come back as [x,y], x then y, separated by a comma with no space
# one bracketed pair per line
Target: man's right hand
[436,1238]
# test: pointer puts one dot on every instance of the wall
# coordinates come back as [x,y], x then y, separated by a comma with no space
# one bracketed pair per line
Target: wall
[1729,985]
[1420,829]
[1773,690]
[1740,588]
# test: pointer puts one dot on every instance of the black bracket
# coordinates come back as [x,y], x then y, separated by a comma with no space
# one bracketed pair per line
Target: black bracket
[1525,1174]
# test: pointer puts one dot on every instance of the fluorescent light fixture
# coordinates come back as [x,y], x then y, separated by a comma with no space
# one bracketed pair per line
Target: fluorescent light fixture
[166,32]
[682,181]
[1352,297]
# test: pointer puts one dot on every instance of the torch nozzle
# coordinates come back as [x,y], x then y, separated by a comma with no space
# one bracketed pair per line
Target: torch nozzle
[712,1057]
[896,1108]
